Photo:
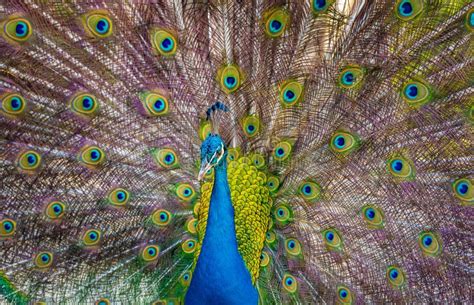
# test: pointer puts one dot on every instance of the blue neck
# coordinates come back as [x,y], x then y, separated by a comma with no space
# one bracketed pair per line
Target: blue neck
[220,276]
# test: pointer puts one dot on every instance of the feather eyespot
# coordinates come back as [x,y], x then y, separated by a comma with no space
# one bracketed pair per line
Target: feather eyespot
[283,214]
[232,154]
[17,29]
[332,239]
[395,276]
[430,243]
[463,190]
[270,238]
[7,227]
[291,93]
[230,78]
[401,167]
[164,42]
[282,151]
[416,93]
[264,259]
[373,216]
[205,130]
[43,259]
[276,21]
[166,158]
[289,283]
[293,247]
[29,160]
[251,126]
[343,142]
[91,237]
[189,246]
[273,183]
[185,192]
[185,279]
[310,191]
[350,77]
[84,104]
[13,104]
[191,225]
[257,160]
[150,253]
[92,156]
[408,9]
[55,210]
[97,24]
[118,197]
[321,6]
[102,301]
[161,217]
[156,102]
[470,20]
[344,295]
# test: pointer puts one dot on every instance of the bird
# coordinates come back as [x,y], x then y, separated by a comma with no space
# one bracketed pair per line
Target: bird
[236,152]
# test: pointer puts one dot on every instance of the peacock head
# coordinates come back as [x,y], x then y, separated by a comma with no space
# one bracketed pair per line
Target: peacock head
[213,154]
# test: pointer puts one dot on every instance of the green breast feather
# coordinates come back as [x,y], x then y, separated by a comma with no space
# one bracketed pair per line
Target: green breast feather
[252,204]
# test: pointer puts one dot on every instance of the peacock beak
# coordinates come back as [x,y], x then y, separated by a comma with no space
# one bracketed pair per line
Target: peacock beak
[207,165]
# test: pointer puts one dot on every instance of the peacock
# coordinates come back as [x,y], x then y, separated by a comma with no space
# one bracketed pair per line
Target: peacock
[236,152]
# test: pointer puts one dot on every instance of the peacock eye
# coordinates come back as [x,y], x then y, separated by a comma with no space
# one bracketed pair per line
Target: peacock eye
[401,167]
[463,190]
[395,276]
[156,102]
[251,126]
[189,246]
[258,160]
[233,154]
[282,151]
[229,78]
[118,197]
[332,239]
[92,156]
[91,237]
[13,104]
[344,295]
[166,158]
[408,9]
[97,24]
[373,216]
[17,29]
[291,93]
[289,283]
[7,227]
[186,279]
[470,20]
[430,243]
[350,77]
[29,160]
[264,259]
[102,301]
[204,130]
[416,93]
[161,217]
[150,253]
[191,225]
[43,259]
[275,21]
[343,142]
[320,6]
[283,214]
[270,237]
[55,210]
[85,104]
[164,42]
[273,183]
[293,247]
[310,191]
